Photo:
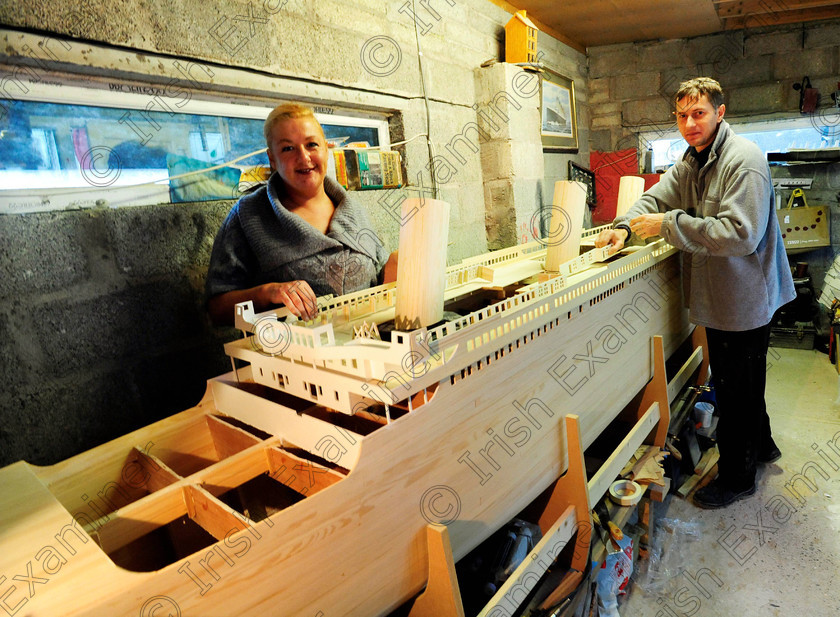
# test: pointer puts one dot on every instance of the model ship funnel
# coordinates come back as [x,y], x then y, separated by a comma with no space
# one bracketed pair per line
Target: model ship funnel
[630,188]
[421,268]
[563,240]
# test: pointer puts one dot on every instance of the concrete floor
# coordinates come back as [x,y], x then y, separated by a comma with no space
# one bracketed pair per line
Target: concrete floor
[772,553]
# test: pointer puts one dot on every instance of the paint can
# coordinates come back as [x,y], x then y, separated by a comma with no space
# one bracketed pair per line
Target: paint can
[703,414]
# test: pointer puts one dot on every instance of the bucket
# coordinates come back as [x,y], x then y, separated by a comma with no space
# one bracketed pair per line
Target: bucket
[703,414]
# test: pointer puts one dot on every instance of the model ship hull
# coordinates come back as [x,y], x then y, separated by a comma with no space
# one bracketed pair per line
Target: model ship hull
[254,503]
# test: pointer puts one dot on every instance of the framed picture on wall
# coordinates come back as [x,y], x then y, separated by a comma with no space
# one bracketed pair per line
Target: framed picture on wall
[558,114]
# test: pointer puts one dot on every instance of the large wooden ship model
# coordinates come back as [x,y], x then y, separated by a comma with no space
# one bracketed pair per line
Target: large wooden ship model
[304,481]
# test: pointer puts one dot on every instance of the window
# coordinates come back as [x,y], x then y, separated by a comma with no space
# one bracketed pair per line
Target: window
[806,133]
[132,145]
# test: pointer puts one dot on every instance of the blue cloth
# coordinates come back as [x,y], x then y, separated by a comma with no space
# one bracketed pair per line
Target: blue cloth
[261,242]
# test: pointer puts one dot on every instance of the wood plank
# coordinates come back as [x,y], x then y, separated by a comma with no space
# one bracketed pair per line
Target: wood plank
[744,8]
[780,18]
[658,493]
[140,518]
[229,439]
[657,391]
[600,482]
[532,568]
[214,516]
[705,467]
[301,475]
[675,386]
[157,473]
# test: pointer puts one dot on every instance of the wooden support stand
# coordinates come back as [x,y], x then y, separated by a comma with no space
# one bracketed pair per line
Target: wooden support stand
[566,512]
[442,598]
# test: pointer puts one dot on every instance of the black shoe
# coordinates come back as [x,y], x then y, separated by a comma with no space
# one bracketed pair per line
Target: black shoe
[771,455]
[719,495]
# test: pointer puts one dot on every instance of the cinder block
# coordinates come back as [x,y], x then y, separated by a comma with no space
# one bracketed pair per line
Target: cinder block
[500,221]
[775,42]
[645,112]
[497,159]
[58,418]
[508,100]
[166,240]
[599,90]
[642,84]
[605,122]
[766,98]
[124,325]
[812,62]
[10,364]
[741,72]
[670,80]
[600,141]
[608,60]
[718,49]
[822,35]
[604,109]
[663,56]
[45,252]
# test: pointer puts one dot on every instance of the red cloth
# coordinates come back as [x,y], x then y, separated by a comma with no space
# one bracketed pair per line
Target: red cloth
[609,167]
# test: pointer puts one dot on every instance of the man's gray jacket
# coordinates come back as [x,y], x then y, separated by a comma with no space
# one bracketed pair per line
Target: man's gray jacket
[723,219]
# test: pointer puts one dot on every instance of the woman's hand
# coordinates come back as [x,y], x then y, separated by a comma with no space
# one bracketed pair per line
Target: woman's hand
[297,296]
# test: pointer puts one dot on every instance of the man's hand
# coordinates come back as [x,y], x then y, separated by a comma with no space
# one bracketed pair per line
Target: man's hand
[390,274]
[647,225]
[614,237]
[297,296]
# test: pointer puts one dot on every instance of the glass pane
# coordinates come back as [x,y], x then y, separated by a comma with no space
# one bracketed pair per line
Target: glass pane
[54,145]
[813,137]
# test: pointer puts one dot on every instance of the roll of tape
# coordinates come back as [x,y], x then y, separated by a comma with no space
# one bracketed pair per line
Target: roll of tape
[625,492]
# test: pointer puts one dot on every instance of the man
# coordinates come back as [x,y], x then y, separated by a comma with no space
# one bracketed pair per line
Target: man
[716,205]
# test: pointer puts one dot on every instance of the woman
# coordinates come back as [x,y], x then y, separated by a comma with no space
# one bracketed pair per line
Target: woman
[299,237]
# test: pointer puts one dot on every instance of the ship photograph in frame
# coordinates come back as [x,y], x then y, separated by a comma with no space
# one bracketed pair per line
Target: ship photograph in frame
[558,116]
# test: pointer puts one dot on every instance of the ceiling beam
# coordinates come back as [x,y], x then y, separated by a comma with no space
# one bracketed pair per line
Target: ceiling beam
[757,20]
[743,8]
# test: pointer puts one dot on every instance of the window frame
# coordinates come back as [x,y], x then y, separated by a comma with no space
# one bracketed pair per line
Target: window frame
[67,88]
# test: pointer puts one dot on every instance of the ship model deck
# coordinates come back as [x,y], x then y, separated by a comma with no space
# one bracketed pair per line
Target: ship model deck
[303,482]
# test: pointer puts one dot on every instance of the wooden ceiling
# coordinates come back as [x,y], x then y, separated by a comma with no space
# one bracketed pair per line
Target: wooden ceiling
[588,23]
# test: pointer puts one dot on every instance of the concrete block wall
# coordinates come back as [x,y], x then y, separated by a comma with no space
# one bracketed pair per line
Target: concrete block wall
[101,312]
[631,85]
